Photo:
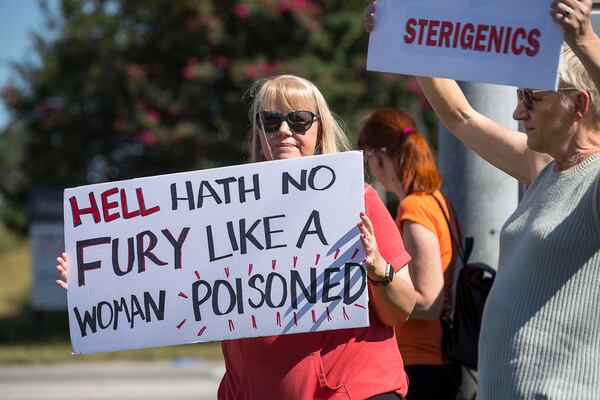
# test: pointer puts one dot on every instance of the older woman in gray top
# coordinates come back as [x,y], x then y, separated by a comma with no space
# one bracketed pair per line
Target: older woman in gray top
[540,337]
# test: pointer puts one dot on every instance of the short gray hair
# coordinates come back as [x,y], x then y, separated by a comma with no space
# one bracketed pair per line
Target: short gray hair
[572,73]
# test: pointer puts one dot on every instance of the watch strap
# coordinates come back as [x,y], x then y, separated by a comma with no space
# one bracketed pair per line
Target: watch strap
[387,279]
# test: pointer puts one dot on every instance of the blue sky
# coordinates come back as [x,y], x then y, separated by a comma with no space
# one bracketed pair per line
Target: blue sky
[17,19]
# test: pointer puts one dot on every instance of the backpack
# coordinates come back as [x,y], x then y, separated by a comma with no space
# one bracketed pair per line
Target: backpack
[472,284]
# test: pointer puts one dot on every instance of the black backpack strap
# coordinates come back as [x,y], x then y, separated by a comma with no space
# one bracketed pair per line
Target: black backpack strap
[462,253]
[467,244]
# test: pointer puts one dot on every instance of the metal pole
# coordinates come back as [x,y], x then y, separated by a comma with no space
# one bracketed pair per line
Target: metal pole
[483,196]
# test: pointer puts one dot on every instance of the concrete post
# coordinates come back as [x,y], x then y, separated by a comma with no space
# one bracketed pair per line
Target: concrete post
[484,196]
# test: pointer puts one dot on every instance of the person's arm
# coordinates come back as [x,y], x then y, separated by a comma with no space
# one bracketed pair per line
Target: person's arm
[394,302]
[573,16]
[504,148]
[425,270]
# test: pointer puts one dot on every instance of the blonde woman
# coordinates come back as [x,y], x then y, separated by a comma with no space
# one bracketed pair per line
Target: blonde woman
[290,119]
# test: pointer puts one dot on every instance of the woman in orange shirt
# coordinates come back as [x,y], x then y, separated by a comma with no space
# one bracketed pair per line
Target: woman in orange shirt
[402,161]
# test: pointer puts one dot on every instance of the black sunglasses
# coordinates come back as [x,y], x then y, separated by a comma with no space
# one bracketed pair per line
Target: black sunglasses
[298,121]
[526,95]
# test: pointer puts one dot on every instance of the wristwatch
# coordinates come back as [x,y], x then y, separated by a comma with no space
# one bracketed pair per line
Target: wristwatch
[387,279]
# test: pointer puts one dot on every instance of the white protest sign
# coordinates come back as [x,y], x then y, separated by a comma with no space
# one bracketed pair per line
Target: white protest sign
[510,42]
[252,250]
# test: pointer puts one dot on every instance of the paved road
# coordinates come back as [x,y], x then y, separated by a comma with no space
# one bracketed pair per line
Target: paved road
[182,380]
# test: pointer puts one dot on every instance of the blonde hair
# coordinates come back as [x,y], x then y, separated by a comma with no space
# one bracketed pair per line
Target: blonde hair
[572,73]
[291,91]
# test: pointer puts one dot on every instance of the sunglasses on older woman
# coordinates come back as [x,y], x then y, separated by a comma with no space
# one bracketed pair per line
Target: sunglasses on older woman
[526,95]
[298,121]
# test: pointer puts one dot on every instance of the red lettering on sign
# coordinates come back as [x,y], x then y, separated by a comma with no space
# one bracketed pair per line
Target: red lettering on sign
[473,37]
[110,208]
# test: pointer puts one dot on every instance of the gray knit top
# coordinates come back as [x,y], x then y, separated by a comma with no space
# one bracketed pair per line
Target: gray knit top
[540,336]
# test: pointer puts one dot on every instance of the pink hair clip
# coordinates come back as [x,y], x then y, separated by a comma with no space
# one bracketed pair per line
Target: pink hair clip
[406,131]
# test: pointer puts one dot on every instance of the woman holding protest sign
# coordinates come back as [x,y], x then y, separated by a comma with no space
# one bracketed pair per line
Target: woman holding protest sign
[540,334]
[290,119]
[402,161]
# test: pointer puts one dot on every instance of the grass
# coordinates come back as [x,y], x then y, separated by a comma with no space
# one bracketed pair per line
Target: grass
[15,266]
[28,337]
[60,352]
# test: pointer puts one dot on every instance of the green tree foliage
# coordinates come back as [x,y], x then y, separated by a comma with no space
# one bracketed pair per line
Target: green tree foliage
[133,88]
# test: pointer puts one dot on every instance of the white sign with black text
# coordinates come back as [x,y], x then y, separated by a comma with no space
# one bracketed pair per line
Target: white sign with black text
[251,250]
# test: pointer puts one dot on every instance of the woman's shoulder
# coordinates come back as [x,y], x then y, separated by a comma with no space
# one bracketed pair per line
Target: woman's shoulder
[371,195]
[416,200]
[423,204]
[369,190]
[377,211]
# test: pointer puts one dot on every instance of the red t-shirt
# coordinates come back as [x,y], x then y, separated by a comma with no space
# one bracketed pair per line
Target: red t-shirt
[340,364]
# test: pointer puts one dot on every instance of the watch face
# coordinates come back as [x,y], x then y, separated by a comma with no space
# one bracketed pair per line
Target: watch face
[389,275]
